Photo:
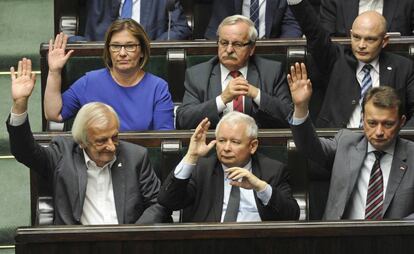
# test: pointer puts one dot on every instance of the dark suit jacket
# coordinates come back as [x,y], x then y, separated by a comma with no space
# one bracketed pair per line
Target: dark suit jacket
[203,84]
[154,18]
[62,163]
[279,21]
[335,72]
[202,194]
[337,16]
[344,156]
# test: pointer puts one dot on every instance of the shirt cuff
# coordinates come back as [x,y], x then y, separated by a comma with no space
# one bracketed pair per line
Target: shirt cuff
[299,121]
[183,170]
[265,194]
[257,98]
[220,104]
[17,119]
[294,2]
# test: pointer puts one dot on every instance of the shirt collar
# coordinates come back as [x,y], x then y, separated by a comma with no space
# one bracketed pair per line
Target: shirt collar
[374,63]
[225,72]
[390,149]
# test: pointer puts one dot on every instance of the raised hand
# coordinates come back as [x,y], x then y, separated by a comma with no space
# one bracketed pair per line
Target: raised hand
[57,57]
[22,85]
[198,146]
[245,179]
[300,87]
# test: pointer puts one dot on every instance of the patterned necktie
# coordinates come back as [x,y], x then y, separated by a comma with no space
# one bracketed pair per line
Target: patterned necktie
[375,194]
[126,12]
[237,102]
[366,84]
[233,205]
[254,13]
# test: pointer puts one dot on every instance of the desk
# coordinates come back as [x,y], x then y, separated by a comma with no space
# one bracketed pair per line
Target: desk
[286,237]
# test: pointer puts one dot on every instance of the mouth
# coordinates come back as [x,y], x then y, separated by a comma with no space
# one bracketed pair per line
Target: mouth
[362,53]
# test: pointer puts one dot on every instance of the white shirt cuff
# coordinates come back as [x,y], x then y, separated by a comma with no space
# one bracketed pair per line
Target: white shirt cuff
[257,98]
[220,104]
[17,119]
[294,2]
[265,194]
[183,170]
[299,121]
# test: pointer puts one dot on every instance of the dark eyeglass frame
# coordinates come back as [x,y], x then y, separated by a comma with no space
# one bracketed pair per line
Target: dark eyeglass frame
[235,45]
[127,47]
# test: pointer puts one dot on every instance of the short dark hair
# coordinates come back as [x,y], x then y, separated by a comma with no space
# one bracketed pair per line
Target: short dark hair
[383,97]
[136,30]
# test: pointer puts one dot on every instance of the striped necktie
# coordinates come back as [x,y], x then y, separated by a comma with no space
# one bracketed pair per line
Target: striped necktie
[375,194]
[366,84]
[254,13]
[126,12]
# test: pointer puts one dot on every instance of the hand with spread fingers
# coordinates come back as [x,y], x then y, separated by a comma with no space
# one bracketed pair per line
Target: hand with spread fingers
[300,88]
[245,179]
[57,57]
[22,85]
[198,146]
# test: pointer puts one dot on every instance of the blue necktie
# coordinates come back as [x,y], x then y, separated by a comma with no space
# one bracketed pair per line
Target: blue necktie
[126,12]
[366,84]
[254,13]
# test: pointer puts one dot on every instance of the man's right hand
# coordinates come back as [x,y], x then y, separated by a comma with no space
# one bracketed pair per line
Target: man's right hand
[22,85]
[198,146]
[237,86]
[300,88]
[57,58]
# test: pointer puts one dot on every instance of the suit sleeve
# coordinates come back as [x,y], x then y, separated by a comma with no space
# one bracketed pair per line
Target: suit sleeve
[290,27]
[282,205]
[319,43]
[194,108]
[176,194]
[328,16]
[179,27]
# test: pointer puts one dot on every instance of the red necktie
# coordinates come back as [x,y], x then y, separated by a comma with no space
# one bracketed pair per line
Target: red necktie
[375,196]
[237,102]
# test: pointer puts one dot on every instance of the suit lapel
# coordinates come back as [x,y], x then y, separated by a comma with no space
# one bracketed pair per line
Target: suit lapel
[81,170]
[253,78]
[118,185]
[388,11]
[386,71]
[218,186]
[215,82]
[350,11]
[270,12]
[398,168]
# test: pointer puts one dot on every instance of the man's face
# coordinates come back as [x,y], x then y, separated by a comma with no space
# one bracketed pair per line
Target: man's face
[125,51]
[234,147]
[367,38]
[234,47]
[102,142]
[381,125]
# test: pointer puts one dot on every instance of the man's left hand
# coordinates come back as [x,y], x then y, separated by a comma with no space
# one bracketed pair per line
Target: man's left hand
[245,179]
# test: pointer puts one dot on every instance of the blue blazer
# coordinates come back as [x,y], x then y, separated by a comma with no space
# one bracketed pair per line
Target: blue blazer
[154,18]
[279,19]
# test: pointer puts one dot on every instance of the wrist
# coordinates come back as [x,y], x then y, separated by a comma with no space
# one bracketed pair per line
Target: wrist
[55,71]
[261,186]
[19,106]
[190,158]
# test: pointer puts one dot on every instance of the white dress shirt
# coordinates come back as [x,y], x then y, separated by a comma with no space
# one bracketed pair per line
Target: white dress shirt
[262,15]
[247,209]
[225,79]
[355,119]
[371,5]
[136,9]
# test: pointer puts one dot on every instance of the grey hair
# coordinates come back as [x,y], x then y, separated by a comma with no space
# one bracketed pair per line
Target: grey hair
[91,113]
[231,20]
[236,117]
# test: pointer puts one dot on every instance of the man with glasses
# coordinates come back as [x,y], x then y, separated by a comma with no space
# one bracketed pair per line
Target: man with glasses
[344,74]
[236,80]
[96,179]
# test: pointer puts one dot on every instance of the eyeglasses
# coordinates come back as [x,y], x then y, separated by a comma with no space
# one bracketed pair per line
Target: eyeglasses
[236,45]
[127,47]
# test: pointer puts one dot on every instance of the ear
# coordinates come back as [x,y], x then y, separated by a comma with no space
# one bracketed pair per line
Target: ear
[385,40]
[252,49]
[253,145]
[403,119]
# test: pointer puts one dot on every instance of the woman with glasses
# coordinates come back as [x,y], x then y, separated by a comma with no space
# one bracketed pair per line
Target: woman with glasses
[141,99]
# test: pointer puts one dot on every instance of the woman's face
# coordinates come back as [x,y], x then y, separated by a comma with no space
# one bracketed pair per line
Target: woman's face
[125,52]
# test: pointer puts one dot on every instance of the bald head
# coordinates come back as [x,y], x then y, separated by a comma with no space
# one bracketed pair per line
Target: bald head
[371,20]
[368,36]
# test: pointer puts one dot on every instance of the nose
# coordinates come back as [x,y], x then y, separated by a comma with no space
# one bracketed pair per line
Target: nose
[229,48]
[227,146]
[122,52]
[379,131]
[110,146]
[362,44]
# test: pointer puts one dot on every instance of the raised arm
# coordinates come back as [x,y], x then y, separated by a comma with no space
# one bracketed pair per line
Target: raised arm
[22,85]
[57,58]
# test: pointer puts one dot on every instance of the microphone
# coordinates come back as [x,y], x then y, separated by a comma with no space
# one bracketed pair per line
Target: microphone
[170,6]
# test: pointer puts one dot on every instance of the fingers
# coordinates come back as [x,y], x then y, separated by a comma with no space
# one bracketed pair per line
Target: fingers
[211,144]
[236,173]
[70,52]
[19,68]
[58,41]
[12,73]
[201,128]
[304,71]
[64,40]
[50,45]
